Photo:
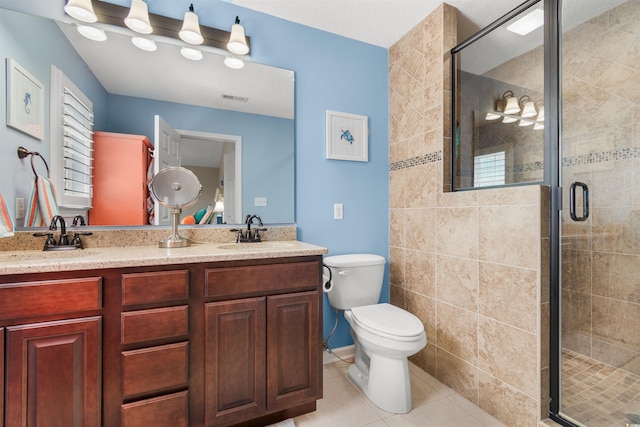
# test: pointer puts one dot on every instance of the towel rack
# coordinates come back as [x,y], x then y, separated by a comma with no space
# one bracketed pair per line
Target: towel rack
[23,152]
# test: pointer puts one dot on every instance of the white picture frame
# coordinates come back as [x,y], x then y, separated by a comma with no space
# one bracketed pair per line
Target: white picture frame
[25,101]
[347,136]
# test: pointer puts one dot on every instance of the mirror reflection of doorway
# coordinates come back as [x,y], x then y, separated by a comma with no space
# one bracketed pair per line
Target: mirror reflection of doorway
[216,159]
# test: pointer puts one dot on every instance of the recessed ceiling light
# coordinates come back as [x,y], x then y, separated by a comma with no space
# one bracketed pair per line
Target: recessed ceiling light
[528,23]
[92,33]
[192,54]
[144,44]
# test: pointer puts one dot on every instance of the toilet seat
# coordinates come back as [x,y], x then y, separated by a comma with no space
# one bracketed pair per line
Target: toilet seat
[388,321]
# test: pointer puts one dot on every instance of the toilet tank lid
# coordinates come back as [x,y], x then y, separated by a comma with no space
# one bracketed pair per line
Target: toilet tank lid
[354,260]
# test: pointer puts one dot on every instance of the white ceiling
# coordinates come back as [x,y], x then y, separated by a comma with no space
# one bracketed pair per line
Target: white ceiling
[379,22]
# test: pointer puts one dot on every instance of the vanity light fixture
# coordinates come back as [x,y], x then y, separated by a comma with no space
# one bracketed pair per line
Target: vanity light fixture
[540,119]
[138,17]
[233,62]
[144,44]
[190,31]
[508,107]
[92,33]
[237,41]
[512,106]
[82,10]
[191,53]
[528,108]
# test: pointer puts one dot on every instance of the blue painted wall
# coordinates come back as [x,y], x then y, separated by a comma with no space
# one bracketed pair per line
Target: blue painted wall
[332,73]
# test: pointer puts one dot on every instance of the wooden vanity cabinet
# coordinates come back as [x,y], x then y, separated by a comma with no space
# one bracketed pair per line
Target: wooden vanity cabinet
[190,345]
[262,352]
[51,332]
[155,348]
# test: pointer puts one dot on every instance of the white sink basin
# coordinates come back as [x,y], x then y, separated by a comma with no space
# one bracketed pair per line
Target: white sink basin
[43,255]
[261,246]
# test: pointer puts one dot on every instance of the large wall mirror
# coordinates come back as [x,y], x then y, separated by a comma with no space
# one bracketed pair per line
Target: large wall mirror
[210,105]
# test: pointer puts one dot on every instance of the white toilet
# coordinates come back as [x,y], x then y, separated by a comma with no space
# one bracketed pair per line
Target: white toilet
[384,335]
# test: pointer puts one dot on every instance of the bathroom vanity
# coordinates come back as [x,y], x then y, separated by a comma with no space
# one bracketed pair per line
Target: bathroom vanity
[209,335]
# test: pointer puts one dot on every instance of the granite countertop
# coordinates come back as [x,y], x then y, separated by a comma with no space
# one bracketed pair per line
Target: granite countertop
[19,262]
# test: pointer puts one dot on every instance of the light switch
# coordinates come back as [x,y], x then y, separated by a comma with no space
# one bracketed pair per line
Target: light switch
[338,211]
[19,207]
[260,201]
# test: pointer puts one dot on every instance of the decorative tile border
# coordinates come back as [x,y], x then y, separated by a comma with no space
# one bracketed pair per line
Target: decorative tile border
[436,156]
[582,159]
[603,156]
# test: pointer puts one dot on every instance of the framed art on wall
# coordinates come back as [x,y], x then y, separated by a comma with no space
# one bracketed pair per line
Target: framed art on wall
[25,101]
[347,136]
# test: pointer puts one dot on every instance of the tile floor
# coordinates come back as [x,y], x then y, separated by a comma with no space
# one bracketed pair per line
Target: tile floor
[597,394]
[434,404]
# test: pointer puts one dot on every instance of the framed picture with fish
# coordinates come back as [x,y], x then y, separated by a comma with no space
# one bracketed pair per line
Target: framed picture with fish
[347,136]
[25,101]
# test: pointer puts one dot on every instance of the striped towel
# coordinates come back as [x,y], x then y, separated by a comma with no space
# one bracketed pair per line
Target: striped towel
[42,206]
[6,222]
[150,202]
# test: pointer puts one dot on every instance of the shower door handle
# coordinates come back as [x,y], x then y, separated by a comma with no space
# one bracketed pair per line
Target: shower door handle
[585,201]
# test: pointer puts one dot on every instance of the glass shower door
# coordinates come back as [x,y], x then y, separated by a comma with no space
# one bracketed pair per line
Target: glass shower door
[600,224]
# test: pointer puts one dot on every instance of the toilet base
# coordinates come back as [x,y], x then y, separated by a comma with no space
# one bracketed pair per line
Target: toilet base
[386,384]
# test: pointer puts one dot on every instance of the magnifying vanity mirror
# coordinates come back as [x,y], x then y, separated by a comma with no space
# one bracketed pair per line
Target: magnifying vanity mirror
[247,114]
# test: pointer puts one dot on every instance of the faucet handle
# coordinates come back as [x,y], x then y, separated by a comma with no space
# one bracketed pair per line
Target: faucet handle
[76,238]
[256,235]
[50,240]
[239,236]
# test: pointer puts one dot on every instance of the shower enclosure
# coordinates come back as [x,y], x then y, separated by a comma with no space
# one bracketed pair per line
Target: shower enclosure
[560,105]
[600,226]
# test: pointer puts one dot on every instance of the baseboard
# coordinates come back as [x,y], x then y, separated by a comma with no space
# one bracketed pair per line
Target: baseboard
[345,353]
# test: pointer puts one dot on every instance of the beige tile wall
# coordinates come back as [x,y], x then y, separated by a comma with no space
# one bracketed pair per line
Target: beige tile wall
[468,264]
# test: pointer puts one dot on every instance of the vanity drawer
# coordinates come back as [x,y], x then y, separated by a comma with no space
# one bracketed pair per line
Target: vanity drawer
[155,369]
[155,287]
[160,323]
[21,300]
[170,410]
[262,279]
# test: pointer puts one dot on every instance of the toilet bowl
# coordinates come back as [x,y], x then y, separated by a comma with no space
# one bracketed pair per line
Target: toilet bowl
[384,335]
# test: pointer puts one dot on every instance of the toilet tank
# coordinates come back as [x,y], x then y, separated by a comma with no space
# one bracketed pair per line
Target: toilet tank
[356,278]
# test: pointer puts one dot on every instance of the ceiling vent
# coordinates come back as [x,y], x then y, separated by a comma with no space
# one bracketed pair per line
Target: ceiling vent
[234,98]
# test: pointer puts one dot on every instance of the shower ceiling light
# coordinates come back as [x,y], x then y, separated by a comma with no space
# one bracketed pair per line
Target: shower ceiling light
[190,31]
[138,18]
[528,23]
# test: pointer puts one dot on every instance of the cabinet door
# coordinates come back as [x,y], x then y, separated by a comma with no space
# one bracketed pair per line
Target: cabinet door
[53,374]
[235,371]
[294,349]
[1,375]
